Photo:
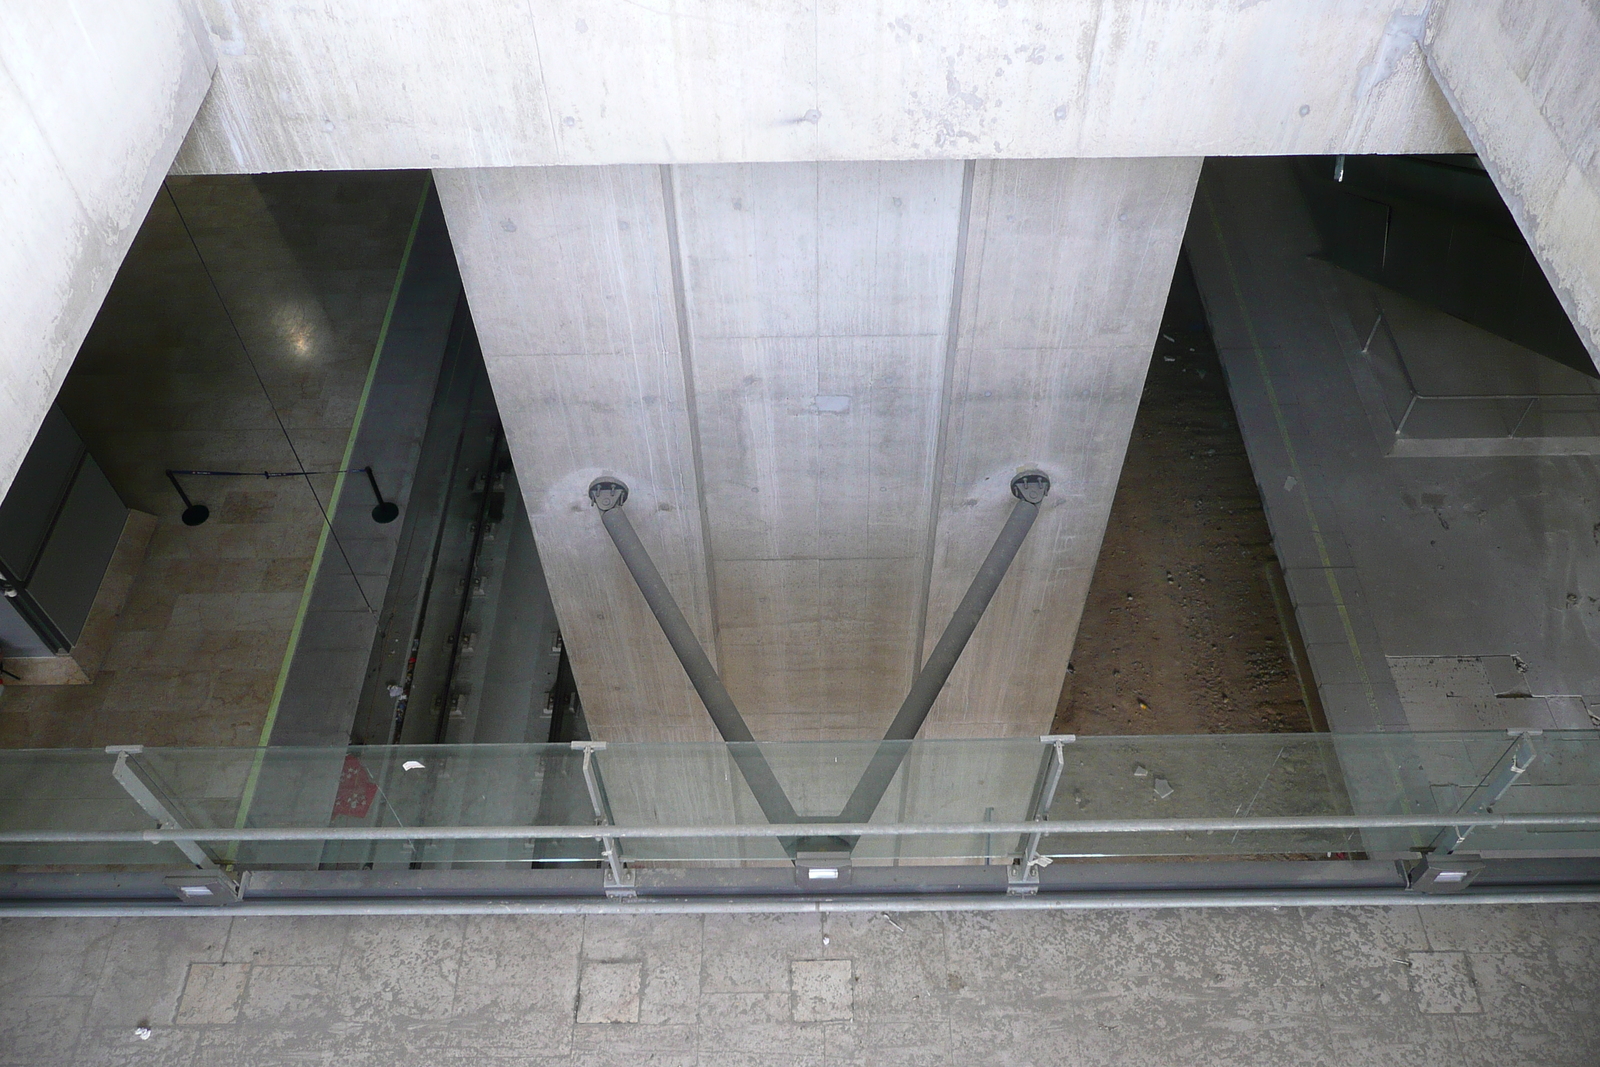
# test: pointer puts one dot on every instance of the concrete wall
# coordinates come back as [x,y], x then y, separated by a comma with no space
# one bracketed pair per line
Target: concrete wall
[94,101]
[1524,79]
[819,379]
[481,83]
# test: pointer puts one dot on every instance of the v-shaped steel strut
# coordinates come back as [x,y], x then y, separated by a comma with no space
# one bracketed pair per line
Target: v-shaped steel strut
[609,495]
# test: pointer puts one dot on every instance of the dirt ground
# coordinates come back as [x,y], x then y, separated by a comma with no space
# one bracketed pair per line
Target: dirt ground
[1185,626]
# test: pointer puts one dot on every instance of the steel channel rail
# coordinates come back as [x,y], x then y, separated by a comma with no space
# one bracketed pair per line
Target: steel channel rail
[790,830]
[881,904]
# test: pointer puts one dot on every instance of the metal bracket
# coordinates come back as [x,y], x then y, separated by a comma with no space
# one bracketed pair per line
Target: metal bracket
[619,880]
[1023,877]
[214,889]
[1511,766]
[1030,486]
[1443,874]
[607,493]
[131,780]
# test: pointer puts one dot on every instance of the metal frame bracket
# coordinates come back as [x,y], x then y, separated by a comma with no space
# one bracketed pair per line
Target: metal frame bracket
[1023,875]
[143,793]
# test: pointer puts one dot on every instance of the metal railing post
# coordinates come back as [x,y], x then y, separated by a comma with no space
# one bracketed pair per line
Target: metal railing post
[129,778]
[618,879]
[1510,767]
[1024,877]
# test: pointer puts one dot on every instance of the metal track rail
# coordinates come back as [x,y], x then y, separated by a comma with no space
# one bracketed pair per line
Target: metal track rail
[172,835]
[813,905]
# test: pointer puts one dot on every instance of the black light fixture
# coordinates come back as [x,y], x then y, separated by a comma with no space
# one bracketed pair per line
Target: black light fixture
[385,511]
[193,514]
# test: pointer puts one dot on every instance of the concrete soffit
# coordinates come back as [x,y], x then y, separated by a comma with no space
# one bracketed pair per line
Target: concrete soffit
[95,99]
[1523,78]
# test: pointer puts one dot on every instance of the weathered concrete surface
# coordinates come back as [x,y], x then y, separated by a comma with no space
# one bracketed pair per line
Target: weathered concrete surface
[480,83]
[95,99]
[764,353]
[1524,79]
[569,274]
[1067,271]
[1475,985]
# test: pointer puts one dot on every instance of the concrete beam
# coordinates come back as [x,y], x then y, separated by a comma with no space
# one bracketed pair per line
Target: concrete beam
[95,99]
[482,83]
[569,273]
[1067,271]
[818,380]
[1523,77]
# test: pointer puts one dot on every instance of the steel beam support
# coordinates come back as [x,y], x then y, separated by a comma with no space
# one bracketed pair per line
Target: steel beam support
[1030,490]
[608,495]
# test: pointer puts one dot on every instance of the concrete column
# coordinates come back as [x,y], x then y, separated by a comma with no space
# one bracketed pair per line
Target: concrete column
[95,99]
[569,272]
[1068,263]
[1522,78]
[818,301]
[819,379]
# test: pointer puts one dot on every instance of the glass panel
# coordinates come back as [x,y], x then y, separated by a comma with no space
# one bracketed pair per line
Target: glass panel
[934,783]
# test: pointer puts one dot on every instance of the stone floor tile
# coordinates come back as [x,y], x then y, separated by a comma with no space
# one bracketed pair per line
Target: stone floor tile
[400,966]
[734,1008]
[624,1039]
[649,1058]
[515,966]
[166,1046]
[901,969]
[1443,984]
[912,1044]
[669,947]
[1531,989]
[42,959]
[1517,928]
[212,994]
[40,1030]
[822,991]
[147,965]
[752,953]
[608,991]
[290,992]
[304,940]
[1364,1041]
[1486,1041]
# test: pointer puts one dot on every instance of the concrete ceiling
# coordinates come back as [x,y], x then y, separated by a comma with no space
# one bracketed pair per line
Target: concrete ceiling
[482,83]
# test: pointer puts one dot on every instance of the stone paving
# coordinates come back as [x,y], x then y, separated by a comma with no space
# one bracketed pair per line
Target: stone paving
[1448,985]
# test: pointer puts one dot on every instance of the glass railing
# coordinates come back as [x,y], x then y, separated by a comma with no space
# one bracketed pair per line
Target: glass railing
[948,802]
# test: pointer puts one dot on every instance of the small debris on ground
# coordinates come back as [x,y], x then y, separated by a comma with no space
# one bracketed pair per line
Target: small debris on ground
[1163,790]
[1141,771]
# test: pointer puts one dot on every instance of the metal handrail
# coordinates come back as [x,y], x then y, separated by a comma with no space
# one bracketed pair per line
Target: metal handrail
[172,835]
